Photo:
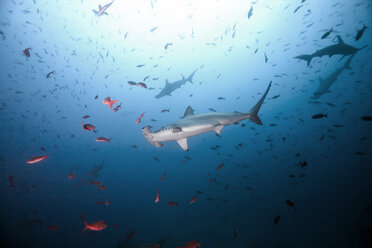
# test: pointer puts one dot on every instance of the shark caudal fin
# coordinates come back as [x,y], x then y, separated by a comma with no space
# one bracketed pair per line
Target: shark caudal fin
[146,131]
[306,57]
[253,113]
[190,77]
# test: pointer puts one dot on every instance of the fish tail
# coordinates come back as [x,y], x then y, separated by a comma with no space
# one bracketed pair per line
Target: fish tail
[111,103]
[46,156]
[108,140]
[253,113]
[85,227]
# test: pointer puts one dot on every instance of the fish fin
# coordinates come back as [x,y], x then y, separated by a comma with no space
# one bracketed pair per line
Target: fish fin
[108,140]
[340,41]
[253,113]
[191,76]
[95,11]
[183,144]
[85,227]
[189,111]
[218,129]
[308,58]
[112,103]
[46,156]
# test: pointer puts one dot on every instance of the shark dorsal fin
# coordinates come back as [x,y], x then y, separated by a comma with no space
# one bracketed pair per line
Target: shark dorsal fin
[340,41]
[189,111]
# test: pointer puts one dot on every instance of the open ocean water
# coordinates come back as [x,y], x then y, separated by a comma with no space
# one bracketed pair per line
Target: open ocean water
[185,123]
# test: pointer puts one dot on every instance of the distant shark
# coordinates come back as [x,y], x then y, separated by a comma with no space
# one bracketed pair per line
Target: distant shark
[325,84]
[191,124]
[170,87]
[339,48]
[101,10]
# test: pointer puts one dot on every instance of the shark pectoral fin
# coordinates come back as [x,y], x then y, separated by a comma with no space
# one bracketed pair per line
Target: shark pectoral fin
[95,11]
[218,129]
[183,144]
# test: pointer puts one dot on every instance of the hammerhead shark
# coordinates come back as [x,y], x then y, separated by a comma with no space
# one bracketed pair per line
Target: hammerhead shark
[101,10]
[191,124]
[170,87]
[325,84]
[339,48]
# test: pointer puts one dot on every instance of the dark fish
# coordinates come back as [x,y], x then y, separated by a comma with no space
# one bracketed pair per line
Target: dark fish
[274,97]
[250,12]
[96,97]
[319,116]
[266,58]
[221,98]
[290,203]
[236,232]
[325,35]
[276,219]
[11,181]
[213,110]
[143,85]
[299,7]
[303,164]
[165,110]
[360,33]
[86,116]
[26,52]
[366,118]
[50,73]
[153,29]
[167,45]
[157,159]
[132,83]
[142,65]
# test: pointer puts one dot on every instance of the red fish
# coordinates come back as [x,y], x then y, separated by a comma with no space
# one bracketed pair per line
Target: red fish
[102,187]
[139,118]
[172,203]
[87,127]
[99,202]
[107,101]
[96,226]
[52,227]
[26,52]
[36,159]
[71,176]
[191,244]
[163,177]
[86,116]
[193,199]
[116,226]
[117,108]
[143,85]
[157,196]
[131,234]
[103,139]
[107,203]
[95,182]
[220,166]
[10,179]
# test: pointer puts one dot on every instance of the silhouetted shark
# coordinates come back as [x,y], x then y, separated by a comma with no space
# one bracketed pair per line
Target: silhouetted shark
[191,124]
[170,87]
[339,48]
[325,84]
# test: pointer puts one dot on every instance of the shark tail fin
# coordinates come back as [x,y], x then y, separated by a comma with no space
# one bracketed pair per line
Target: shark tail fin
[191,76]
[146,131]
[308,58]
[253,113]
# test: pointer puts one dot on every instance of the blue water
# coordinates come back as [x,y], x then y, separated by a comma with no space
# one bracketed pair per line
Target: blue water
[264,166]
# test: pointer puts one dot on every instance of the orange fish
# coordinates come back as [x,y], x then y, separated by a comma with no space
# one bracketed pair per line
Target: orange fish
[172,203]
[52,227]
[96,226]
[107,101]
[71,176]
[87,127]
[139,118]
[26,52]
[191,244]
[102,187]
[10,179]
[36,159]
[220,166]
[163,177]
[157,196]
[103,139]
[193,199]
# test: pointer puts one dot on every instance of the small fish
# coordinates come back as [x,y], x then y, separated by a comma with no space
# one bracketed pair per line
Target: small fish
[141,65]
[50,73]
[143,85]
[193,199]
[325,35]
[139,118]
[266,58]
[96,97]
[165,110]
[299,7]
[102,187]
[291,204]
[96,226]
[156,200]
[130,235]
[117,108]
[86,116]
[211,109]
[163,177]
[26,52]
[107,101]
[221,98]
[71,176]
[366,118]
[132,83]
[191,244]
[220,166]
[87,127]
[153,29]
[107,203]
[11,181]
[236,232]
[37,159]
[319,116]
[167,45]
[276,219]
[172,203]
[103,139]
[360,33]
[250,12]
[145,78]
